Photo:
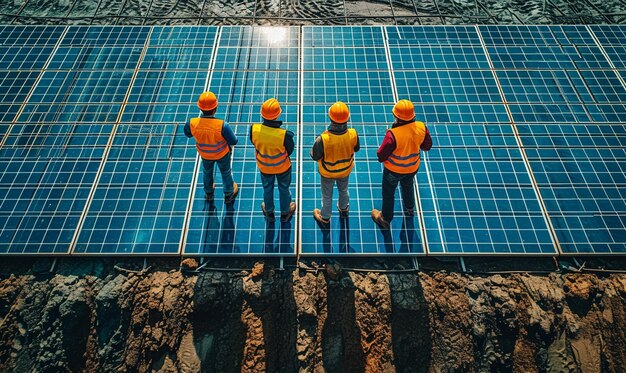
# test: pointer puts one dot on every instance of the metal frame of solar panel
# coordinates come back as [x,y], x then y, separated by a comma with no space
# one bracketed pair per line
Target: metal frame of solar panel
[529,143]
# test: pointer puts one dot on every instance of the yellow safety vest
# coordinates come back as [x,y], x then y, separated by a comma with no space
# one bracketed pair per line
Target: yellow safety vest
[405,159]
[271,155]
[338,160]
[210,143]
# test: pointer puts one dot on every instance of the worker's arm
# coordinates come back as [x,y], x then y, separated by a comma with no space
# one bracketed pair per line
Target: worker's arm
[288,142]
[188,129]
[317,151]
[387,147]
[428,142]
[357,147]
[229,135]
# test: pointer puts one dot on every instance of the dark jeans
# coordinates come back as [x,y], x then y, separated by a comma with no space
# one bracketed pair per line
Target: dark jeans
[227,175]
[390,183]
[284,181]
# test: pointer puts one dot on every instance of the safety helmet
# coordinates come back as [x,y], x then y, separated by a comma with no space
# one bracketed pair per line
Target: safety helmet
[271,109]
[404,110]
[207,101]
[339,112]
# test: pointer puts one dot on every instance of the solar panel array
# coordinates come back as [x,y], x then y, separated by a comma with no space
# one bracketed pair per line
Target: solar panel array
[529,152]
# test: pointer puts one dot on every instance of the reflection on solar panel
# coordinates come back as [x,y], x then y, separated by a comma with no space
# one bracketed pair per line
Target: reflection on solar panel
[529,142]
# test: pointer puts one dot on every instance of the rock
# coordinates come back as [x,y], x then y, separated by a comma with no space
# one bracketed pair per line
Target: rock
[334,271]
[189,264]
[257,270]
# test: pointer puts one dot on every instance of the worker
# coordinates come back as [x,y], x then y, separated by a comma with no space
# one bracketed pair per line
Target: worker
[400,155]
[273,147]
[214,142]
[334,152]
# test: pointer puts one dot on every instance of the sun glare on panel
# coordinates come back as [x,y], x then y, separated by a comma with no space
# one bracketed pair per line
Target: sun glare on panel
[274,35]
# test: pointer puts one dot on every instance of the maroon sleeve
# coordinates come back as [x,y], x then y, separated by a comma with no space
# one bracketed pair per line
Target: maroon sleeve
[387,147]
[428,142]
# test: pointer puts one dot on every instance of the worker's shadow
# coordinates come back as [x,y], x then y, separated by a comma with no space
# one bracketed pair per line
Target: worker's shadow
[227,238]
[211,229]
[280,243]
[387,239]
[344,236]
[408,235]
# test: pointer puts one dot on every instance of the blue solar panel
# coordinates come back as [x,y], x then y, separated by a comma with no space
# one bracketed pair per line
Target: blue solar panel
[433,35]
[105,35]
[30,35]
[527,123]
[86,57]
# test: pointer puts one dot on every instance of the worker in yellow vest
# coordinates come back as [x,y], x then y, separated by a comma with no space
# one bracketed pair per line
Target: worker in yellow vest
[334,152]
[400,154]
[273,147]
[214,140]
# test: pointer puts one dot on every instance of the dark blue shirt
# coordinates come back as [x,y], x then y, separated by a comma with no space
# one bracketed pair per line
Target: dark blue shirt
[227,131]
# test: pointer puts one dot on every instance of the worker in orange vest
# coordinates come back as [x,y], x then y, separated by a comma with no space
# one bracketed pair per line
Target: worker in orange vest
[400,154]
[214,140]
[273,147]
[334,152]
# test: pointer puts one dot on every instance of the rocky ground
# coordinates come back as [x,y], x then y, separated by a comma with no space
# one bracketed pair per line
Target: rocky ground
[301,12]
[99,315]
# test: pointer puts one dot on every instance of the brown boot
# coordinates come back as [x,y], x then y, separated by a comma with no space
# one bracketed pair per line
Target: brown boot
[231,197]
[269,216]
[317,215]
[377,216]
[285,217]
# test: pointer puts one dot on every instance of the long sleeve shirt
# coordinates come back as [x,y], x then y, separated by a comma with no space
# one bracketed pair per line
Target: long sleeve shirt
[227,131]
[317,151]
[389,143]
[288,142]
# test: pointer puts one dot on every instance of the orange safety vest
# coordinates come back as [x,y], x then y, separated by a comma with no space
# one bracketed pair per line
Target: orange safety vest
[405,159]
[338,160]
[210,143]
[271,155]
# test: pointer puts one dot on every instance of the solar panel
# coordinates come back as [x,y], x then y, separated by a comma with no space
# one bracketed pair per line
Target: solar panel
[140,200]
[527,123]
[249,68]
[367,89]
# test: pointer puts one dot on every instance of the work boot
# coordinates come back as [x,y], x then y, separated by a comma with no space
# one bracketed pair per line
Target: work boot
[209,196]
[317,215]
[409,212]
[287,216]
[268,216]
[343,214]
[377,216]
[231,197]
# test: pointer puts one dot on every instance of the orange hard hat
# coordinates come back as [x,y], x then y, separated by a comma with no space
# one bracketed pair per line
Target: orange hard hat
[404,110]
[207,101]
[271,109]
[339,112]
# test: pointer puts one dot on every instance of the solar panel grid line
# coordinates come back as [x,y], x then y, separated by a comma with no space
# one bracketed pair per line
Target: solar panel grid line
[394,89]
[196,169]
[606,55]
[32,89]
[520,146]
[300,147]
[105,155]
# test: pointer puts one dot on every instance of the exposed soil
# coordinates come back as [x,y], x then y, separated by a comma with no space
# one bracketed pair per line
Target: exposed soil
[91,316]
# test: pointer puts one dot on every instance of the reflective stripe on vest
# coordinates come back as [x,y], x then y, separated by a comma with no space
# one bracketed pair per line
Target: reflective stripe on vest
[210,143]
[405,159]
[338,160]
[271,155]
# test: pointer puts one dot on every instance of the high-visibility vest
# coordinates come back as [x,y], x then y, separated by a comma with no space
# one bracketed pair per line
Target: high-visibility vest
[271,155]
[210,143]
[338,159]
[405,159]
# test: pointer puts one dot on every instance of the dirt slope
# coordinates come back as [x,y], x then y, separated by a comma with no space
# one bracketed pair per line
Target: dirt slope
[266,320]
